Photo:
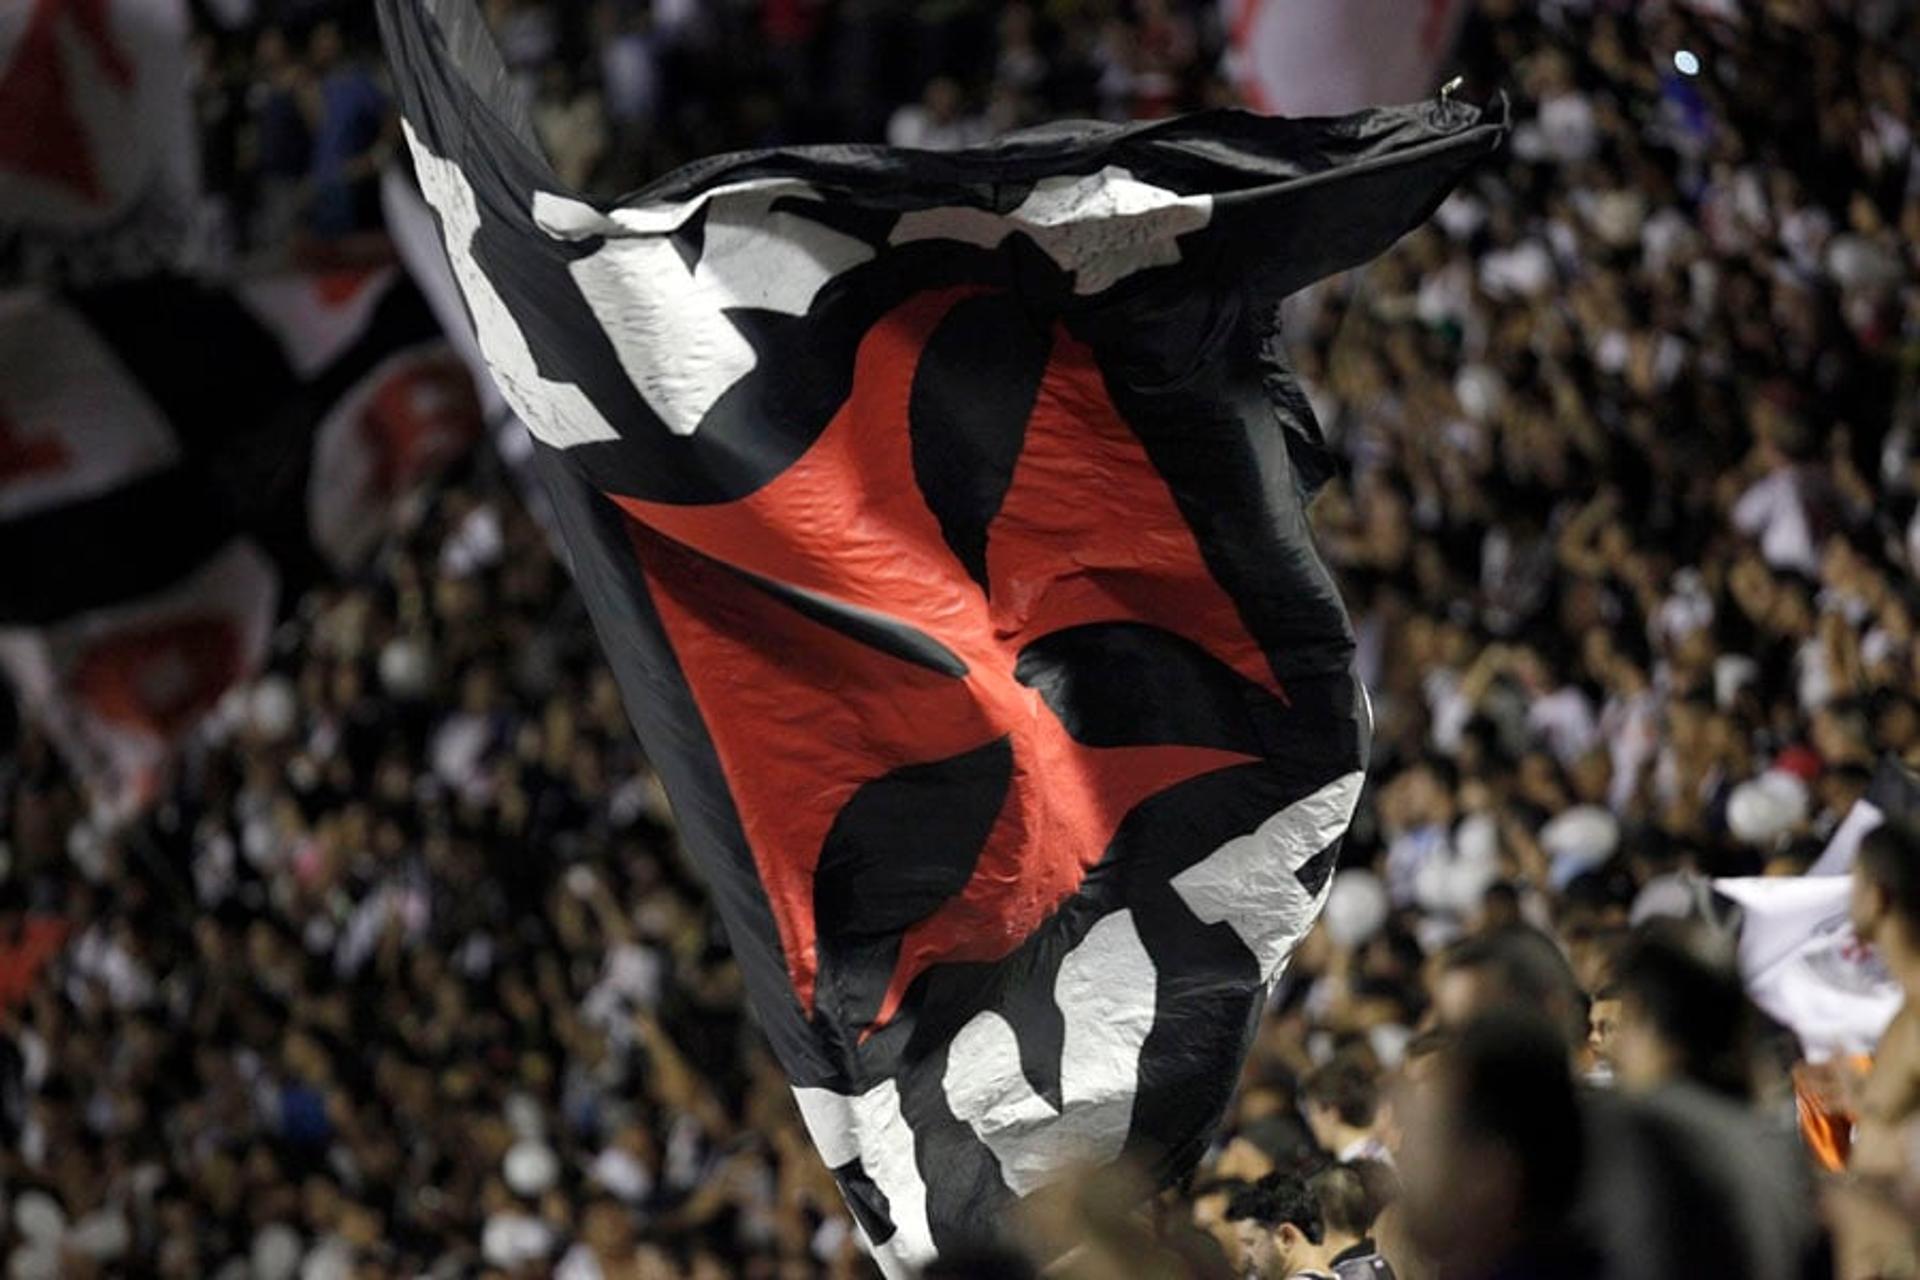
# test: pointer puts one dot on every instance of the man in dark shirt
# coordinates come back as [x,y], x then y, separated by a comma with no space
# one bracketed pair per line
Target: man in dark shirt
[1349,1202]
[351,137]
[1282,1232]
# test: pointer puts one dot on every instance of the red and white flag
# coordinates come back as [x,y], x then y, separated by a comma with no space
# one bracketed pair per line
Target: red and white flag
[73,423]
[317,316]
[412,415]
[94,114]
[117,688]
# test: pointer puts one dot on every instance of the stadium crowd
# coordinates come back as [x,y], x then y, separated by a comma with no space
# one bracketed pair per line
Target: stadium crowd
[406,976]
[624,90]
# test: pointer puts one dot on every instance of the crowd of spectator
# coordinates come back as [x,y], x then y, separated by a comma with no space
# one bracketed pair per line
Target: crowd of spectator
[625,90]
[1629,528]
[407,975]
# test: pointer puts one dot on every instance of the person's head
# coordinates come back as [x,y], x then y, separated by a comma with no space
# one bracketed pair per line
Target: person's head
[1382,1185]
[1591,775]
[1603,1020]
[1886,888]
[1341,1100]
[943,98]
[1429,792]
[1494,1146]
[270,50]
[1349,1202]
[1897,724]
[1278,1225]
[1500,908]
[1593,947]
[1842,786]
[1841,732]
[325,46]
[1515,967]
[607,1228]
[1683,1015]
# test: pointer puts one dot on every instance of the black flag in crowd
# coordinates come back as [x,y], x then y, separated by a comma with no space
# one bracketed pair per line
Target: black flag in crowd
[942,517]
[178,459]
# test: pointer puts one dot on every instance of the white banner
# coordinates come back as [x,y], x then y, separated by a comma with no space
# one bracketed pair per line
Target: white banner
[1804,965]
[1837,858]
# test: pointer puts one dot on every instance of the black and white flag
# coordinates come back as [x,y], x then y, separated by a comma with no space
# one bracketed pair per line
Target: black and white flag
[943,519]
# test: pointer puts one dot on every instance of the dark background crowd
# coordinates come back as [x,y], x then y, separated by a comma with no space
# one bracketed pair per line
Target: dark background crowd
[407,975]
[292,120]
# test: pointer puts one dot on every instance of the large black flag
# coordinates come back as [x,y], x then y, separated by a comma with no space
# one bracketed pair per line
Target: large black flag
[943,518]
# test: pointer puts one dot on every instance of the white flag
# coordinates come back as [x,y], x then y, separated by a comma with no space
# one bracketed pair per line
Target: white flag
[1805,966]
